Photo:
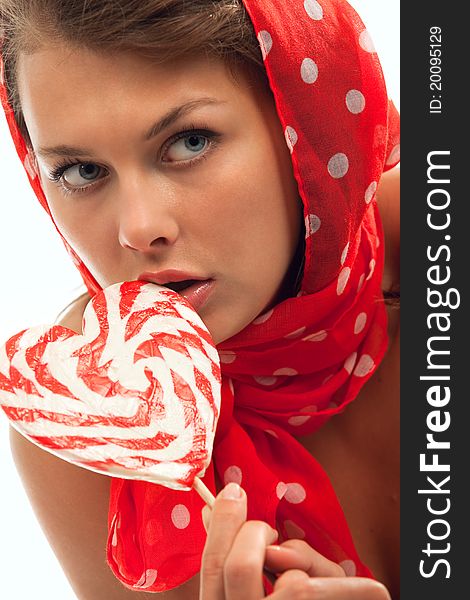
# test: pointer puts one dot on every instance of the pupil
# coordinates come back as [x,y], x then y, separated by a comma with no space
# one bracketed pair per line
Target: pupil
[195,142]
[88,171]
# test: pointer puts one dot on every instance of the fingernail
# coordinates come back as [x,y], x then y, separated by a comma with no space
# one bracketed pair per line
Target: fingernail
[232,491]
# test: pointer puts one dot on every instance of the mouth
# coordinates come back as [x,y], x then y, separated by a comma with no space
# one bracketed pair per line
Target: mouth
[195,290]
[179,286]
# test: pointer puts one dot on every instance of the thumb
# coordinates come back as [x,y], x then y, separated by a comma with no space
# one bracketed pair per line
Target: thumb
[220,501]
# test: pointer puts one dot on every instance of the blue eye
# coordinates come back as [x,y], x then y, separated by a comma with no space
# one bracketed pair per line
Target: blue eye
[81,174]
[195,143]
[89,171]
[187,147]
[77,175]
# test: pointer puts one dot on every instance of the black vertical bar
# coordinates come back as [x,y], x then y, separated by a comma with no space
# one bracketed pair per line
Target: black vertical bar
[435,251]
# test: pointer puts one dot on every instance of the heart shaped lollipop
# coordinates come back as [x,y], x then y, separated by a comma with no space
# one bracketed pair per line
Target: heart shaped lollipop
[136,396]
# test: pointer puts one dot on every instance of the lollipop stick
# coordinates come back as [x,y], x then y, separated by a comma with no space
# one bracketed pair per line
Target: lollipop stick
[204,492]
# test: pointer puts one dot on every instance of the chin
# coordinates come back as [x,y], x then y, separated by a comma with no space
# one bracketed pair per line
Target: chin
[217,336]
[220,333]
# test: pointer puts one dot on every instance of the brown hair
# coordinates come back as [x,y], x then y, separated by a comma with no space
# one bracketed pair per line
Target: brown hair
[156,29]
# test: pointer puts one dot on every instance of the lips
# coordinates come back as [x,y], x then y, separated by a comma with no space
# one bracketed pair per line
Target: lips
[194,288]
[172,278]
[198,293]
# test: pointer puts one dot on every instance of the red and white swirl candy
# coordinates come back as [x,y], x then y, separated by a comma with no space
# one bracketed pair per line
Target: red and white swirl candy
[136,396]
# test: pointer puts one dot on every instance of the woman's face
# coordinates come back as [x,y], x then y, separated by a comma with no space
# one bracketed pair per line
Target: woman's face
[149,168]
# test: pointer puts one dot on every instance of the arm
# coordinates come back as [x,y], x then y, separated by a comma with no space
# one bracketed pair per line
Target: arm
[71,505]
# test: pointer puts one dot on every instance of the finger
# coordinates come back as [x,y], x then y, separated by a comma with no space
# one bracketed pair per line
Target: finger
[289,586]
[206,517]
[286,586]
[243,573]
[297,554]
[228,515]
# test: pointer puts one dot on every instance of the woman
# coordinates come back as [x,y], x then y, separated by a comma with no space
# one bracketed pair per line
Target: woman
[199,183]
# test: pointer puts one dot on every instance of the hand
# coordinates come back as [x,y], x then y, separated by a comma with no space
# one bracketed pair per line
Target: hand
[306,574]
[233,557]
[237,550]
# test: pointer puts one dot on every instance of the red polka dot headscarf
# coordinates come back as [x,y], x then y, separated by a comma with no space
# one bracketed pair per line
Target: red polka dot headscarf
[302,362]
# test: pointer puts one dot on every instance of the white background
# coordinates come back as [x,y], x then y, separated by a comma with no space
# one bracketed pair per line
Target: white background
[37,279]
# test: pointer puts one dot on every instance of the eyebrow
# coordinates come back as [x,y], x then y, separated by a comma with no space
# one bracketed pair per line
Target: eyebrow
[163,123]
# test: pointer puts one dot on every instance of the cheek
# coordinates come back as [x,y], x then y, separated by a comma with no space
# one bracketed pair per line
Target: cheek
[257,232]
[90,241]
[66,221]
[273,210]
[249,189]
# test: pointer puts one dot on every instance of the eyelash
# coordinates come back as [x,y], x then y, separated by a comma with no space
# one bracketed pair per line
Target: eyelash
[57,172]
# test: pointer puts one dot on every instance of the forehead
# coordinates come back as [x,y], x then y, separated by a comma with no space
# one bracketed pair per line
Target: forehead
[58,83]
[64,61]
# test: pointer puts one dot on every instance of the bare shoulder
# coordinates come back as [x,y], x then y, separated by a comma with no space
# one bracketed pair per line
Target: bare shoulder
[388,198]
[71,505]
[388,201]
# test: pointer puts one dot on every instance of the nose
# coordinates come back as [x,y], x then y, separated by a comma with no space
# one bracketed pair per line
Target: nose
[147,218]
